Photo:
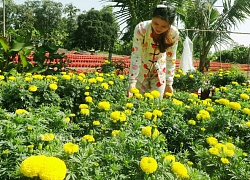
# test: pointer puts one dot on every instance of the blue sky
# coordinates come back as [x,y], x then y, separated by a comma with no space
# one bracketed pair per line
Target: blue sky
[97,4]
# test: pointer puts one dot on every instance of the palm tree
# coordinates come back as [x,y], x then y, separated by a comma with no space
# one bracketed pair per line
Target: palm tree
[213,26]
[198,14]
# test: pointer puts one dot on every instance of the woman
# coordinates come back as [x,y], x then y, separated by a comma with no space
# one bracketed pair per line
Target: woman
[154,53]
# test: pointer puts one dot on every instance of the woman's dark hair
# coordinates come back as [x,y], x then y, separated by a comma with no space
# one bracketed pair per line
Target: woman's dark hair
[168,14]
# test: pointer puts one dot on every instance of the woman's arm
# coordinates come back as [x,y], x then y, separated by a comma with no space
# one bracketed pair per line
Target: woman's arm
[136,55]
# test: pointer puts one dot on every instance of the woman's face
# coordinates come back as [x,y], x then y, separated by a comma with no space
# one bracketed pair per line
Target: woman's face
[160,26]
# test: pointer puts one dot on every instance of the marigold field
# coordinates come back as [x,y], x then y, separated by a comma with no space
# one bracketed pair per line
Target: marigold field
[77,126]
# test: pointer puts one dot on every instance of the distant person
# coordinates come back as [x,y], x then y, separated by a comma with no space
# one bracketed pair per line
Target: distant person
[153,55]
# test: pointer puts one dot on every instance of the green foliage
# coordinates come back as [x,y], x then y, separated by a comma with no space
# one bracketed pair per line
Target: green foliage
[180,126]
[238,55]
[224,77]
[96,29]
[189,82]
[26,53]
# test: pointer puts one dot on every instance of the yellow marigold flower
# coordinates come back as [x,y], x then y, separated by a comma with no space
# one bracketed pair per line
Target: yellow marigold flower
[148,115]
[83,106]
[235,83]
[210,109]
[170,158]
[80,78]
[12,78]
[89,99]
[224,160]
[229,153]
[190,163]
[66,77]
[85,111]
[99,79]
[191,76]
[192,122]
[106,61]
[92,80]
[211,141]
[21,111]
[70,148]
[2,77]
[87,87]
[82,75]
[214,151]
[37,76]
[147,131]
[148,165]
[111,82]
[148,95]
[230,146]
[246,111]
[47,137]
[121,77]
[168,94]
[96,164]
[105,86]
[96,123]
[31,146]
[179,169]
[49,77]
[248,124]
[157,113]
[203,114]
[27,79]
[115,132]
[104,105]
[128,111]
[138,96]
[86,93]
[29,128]
[244,96]
[6,152]
[244,154]
[32,166]
[177,102]
[53,86]
[118,115]
[129,105]
[155,93]
[223,89]
[67,119]
[88,138]
[235,105]
[221,147]
[32,88]
[203,129]
[177,75]
[53,169]
[134,90]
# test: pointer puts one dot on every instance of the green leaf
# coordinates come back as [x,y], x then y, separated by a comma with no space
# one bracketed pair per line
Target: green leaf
[4,44]
[17,46]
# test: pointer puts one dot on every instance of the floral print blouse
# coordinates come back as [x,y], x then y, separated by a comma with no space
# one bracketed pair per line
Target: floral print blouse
[146,55]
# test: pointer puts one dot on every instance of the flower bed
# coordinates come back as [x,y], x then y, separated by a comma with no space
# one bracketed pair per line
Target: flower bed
[82,126]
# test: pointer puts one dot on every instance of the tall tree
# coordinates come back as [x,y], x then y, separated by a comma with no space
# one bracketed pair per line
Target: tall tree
[96,29]
[70,20]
